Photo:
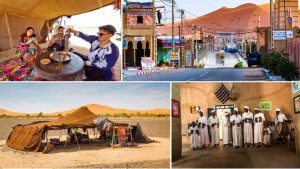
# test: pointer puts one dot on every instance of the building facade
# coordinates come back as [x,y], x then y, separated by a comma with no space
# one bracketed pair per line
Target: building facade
[138,31]
[291,10]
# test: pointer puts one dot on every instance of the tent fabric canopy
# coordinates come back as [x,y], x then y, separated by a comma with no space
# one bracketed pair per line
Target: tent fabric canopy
[17,15]
[29,137]
[49,9]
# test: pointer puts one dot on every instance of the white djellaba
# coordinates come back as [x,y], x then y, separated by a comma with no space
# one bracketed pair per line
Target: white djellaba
[204,136]
[194,137]
[225,129]
[248,131]
[236,120]
[259,119]
[214,129]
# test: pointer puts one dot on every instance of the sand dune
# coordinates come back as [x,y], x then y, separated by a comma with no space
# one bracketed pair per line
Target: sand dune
[95,108]
[241,18]
[102,110]
[266,7]
[10,113]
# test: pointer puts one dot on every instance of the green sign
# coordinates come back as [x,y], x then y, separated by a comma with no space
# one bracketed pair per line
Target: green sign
[265,106]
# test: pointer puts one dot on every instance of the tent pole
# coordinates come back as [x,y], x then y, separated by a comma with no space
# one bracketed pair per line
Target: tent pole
[87,132]
[9,32]
[77,139]
[61,19]
[66,139]
[47,136]
[113,135]
[130,129]
[48,27]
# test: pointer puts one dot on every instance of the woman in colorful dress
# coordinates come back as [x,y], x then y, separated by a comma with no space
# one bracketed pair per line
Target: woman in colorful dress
[22,47]
[19,67]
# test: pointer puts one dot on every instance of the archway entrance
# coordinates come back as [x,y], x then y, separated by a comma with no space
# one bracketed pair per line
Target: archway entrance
[221,110]
[147,50]
[139,53]
[129,55]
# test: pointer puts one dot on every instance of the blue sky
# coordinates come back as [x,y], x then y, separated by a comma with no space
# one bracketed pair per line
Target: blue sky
[52,97]
[201,7]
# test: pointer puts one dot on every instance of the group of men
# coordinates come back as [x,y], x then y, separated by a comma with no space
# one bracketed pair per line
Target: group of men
[246,129]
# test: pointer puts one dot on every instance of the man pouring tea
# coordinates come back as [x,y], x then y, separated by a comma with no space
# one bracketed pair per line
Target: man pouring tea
[103,53]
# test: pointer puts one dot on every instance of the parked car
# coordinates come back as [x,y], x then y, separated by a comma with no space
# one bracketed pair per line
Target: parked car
[254,58]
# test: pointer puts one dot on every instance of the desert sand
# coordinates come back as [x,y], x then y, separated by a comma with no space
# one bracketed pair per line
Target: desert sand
[153,155]
[242,18]
[144,155]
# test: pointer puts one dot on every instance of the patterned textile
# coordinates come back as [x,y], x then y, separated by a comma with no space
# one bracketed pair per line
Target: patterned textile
[15,69]
[22,48]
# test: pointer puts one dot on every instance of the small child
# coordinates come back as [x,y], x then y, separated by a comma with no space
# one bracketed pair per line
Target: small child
[273,130]
[194,135]
[267,135]
[33,44]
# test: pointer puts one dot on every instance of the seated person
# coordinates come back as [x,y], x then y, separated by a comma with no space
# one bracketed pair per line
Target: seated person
[103,53]
[58,40]
[33,44]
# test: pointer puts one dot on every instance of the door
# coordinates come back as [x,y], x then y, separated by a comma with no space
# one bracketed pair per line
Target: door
[221,110]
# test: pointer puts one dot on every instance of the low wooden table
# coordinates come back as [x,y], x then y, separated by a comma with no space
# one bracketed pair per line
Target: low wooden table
[72,70]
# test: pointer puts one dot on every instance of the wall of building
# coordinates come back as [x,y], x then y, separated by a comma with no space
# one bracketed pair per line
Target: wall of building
[279,12]
[293,49]
[130,25]
[176,126]
[250,94]
[296,119]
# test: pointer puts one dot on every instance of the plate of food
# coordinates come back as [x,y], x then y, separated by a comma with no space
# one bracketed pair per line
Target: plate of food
[45,61]
[61,57]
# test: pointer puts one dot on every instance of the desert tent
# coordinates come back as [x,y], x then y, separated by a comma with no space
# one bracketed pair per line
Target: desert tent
[16,15]
[29,137]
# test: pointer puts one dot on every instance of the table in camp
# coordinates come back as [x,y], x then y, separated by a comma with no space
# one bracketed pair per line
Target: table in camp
[71,70]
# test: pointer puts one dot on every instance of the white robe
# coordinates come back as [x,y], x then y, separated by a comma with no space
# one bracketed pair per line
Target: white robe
[194,137]
[204,130]
[258,128]
[225,130]
[236,130]
[280,118]
[200,140]
[214,131]
[267,137]
[248,131]
[274,133]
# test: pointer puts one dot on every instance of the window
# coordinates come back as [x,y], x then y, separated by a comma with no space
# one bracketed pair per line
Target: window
[139,19]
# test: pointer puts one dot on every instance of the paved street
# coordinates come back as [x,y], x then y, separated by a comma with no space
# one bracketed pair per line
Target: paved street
[213,71]
[230,60]
[208,74]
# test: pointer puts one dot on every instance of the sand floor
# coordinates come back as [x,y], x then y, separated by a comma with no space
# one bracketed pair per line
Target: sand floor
[154,155]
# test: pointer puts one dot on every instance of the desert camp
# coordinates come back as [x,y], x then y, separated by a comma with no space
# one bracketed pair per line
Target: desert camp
[75,125]
[30,51]
[30,137]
